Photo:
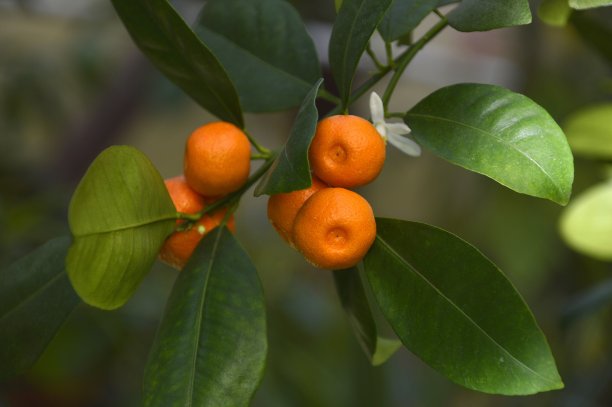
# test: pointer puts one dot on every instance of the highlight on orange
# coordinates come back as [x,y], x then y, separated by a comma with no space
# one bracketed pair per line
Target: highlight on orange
[283,208]
[217,159]
[334,229]
[179,246]
[347,151]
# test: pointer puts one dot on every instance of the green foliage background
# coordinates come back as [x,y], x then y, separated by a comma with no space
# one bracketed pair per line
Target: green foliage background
[72,84]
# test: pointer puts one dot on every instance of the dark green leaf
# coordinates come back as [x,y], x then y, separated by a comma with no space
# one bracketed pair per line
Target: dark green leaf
[119,216]
[589,131]
[595,31]
[586,224]
[584,4]
[503,135]
[169,43]
[485,15]
[454,309]
[211,346]
[291,171]
[264,47]
[35,299]
[354,25]
[403,16]
[554,12]
[355,302]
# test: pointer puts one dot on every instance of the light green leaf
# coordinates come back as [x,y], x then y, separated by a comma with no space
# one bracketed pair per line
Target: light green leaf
[354,25]
[355,302]
[291,170]
[35,300]
[503,135]
[589,131]
[119,216]
[554,12]
[454,309]
[586,224]
[584,4]
[403,16]
[211,346]
[264,47]
[485,15]
[169,43]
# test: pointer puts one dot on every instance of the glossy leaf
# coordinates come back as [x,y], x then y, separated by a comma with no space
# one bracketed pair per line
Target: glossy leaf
[291,170]
[211,346]
[554,12]
[119,216]
[354,25]
[586,224]
[584,4]
[403,16]
[357,307]
[503,135]
[485,15]
[35,300]
[589,131]
[264,47]
[454,309]
[170,44]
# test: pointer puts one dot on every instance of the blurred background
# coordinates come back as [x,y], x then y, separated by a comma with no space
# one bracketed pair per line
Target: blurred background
[73,83]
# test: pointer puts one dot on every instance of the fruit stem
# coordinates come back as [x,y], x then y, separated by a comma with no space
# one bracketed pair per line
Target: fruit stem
[260,149]
[327,95]
[374,58]
[409,55]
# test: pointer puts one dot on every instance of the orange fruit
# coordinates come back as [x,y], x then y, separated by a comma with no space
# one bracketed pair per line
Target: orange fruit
[217,159]
[179,246]
[346,151]
[282,208]
[334,229]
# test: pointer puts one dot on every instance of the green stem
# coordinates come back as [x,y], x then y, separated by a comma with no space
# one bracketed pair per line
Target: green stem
[374,58]
[261,149]
[407,56]
[389,51]
[330,97]
[398,115]
[360,91]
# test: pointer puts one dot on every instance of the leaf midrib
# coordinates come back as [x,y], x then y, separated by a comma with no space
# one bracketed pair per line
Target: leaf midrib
[499,140]
[129,226]
[521,364]
[346,49]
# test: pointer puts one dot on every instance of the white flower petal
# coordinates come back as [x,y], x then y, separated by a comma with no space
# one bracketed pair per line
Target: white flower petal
[377,110]
[382,129]
[398,128]
[404,144]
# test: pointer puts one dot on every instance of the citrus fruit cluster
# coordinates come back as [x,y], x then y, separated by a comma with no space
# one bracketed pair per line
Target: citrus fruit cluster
[332,226]
[217,162]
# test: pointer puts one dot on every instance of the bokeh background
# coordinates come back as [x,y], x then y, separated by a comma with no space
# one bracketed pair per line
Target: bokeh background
[73,83]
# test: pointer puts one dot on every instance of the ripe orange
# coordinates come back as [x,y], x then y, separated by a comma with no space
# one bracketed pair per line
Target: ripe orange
[282,208]
[179,246]
[217,159]
[334,229]
[346,151]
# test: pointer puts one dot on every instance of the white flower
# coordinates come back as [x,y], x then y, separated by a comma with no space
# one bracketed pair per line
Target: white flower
[395,133]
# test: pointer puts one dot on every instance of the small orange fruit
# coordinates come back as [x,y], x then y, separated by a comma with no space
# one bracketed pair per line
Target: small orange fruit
[282,208]
[346,151]
[334,229]
[179,246]
[217,159]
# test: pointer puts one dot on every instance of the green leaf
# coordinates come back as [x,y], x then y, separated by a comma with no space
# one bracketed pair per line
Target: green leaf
[403,16]
[554,12]
[355,302]
[503,135]
[454,309]
[589,131]
[337,4]
[588,302]
[595,31]
[35,300]
[354,25]
[211,346]
[586,224]
[291,170]
[485,15]
[119,216]
[264,47]
[164,37]
[584,4]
